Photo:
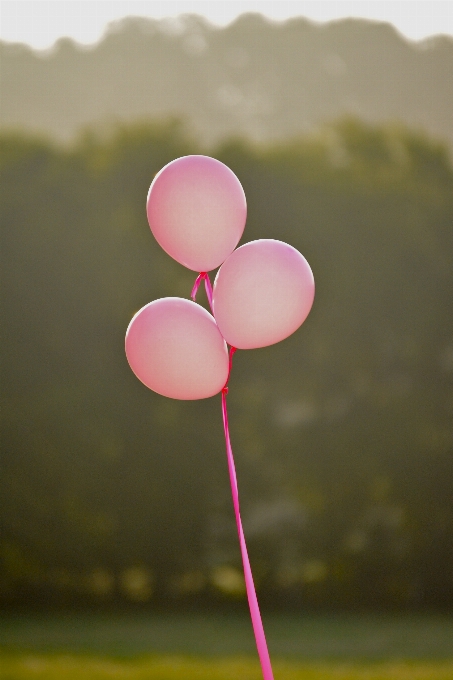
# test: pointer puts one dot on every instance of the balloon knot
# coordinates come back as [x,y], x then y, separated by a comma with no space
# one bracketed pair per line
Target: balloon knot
[225,390]
[207,284]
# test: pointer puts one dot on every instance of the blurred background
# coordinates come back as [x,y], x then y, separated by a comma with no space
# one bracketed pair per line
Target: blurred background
[116,499]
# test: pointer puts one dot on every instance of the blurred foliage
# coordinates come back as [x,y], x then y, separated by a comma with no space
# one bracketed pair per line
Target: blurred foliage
[343,434]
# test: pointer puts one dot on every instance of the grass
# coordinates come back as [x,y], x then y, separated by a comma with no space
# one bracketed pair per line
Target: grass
[290,636]
[171,646]
[80,667]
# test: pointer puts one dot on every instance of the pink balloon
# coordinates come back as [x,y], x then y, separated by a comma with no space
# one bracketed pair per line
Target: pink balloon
[175,348]
[262,293]
[197,210]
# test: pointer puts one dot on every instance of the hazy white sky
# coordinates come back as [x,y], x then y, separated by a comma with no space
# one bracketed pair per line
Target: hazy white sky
[40,23]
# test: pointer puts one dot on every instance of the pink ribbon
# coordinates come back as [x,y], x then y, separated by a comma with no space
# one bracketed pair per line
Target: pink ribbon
[207,285]
[255,614]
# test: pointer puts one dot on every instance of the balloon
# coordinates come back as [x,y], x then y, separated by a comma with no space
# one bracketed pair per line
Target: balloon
[197,210]
[262,293]
[174,347]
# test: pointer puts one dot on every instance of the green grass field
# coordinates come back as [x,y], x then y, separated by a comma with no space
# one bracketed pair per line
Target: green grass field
[215,647]
[79,667]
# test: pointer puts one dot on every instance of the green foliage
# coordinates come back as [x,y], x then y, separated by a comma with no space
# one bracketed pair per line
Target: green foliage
[343,433]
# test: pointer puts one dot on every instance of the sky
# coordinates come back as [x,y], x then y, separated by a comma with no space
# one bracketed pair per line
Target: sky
[40,23]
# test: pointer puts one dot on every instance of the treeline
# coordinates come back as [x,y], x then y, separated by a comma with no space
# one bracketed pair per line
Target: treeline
[343,434]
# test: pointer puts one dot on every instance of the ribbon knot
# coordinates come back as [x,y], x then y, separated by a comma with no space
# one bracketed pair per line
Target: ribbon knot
[207,285]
